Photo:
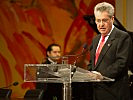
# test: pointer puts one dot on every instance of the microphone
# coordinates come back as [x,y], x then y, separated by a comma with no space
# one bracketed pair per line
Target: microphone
[65,57]
[84,51]
[85,48]
[13,84]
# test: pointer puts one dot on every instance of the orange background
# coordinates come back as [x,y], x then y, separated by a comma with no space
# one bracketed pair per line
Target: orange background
[27,27]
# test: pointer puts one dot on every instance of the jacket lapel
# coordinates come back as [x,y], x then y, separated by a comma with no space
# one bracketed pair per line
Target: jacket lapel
[94,51]
[105,48]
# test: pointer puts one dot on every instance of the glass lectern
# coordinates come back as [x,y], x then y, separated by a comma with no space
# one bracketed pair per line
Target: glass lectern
[58,73]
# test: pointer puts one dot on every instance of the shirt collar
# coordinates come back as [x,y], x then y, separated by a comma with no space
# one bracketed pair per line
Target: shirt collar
[52,62]
[111,30]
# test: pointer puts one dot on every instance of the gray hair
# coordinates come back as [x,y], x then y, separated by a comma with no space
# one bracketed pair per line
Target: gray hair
[104,6]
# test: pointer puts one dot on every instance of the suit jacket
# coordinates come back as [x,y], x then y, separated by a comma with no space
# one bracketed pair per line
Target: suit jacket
[46,62]
[113,62]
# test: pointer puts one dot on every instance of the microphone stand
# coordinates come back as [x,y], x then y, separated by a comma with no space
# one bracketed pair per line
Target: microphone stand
[13,84]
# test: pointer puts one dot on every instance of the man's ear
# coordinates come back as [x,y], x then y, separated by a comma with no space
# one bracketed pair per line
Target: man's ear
[113,18]
[48,53]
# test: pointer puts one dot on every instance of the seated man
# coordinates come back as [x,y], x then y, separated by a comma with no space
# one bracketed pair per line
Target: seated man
[53,90]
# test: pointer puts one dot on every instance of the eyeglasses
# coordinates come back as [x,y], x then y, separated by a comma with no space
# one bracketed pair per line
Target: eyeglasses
[102,20]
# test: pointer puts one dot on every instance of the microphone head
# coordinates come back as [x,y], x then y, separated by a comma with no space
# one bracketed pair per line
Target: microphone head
[85,46]
[15,83]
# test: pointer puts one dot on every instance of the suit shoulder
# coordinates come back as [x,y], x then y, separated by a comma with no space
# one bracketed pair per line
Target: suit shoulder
[120,33]
[44,61]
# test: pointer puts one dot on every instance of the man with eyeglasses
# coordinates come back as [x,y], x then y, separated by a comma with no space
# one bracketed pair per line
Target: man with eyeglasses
[53,90]
[110,56]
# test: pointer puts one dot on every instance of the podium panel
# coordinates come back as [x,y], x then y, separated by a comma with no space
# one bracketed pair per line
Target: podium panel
[51,73]
[82,75]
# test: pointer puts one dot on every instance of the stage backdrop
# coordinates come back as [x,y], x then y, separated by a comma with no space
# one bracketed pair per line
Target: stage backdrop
[27,27]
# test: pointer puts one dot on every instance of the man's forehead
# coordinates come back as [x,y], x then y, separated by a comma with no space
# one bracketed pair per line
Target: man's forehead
[55,48]
[102,14]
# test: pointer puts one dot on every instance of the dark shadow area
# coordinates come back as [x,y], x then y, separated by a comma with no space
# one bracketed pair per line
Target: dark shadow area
[5,93]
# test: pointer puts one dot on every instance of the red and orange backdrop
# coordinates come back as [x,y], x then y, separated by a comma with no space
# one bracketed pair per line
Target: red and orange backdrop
[27,27]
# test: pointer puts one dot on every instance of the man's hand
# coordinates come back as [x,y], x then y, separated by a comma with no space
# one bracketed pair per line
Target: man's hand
[95,75]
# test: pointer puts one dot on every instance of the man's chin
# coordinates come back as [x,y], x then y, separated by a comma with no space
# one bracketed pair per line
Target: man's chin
[56,59]
[103,32]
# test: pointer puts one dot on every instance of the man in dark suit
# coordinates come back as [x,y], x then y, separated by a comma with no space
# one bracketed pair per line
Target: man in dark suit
[110,56]
[53,90]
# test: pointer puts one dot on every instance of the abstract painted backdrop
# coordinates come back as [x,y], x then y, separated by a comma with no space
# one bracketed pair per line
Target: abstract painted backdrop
[27,27]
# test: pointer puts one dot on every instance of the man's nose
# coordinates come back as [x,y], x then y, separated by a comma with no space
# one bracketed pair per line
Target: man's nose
[58,53]
[102,23]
